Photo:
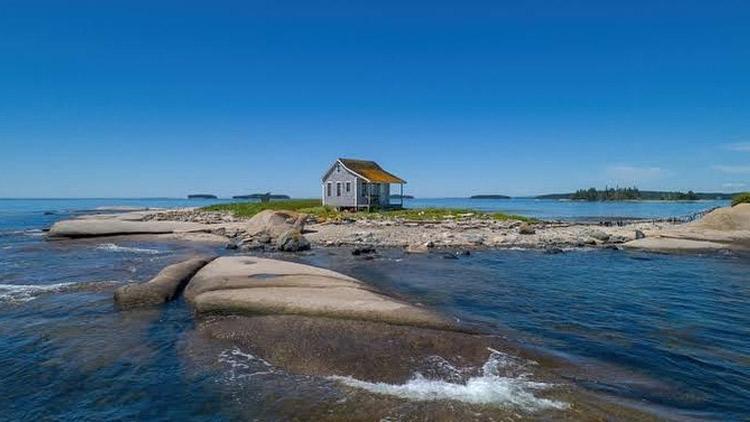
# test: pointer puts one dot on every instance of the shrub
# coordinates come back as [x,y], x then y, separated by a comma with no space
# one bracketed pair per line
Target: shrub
[742,198]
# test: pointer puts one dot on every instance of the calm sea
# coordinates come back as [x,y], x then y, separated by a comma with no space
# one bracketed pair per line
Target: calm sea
[668,332]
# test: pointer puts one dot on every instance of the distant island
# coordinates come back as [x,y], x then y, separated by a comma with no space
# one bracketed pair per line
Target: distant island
[489,197]
[634,194]
[397,196]
[260,196]
[201,196]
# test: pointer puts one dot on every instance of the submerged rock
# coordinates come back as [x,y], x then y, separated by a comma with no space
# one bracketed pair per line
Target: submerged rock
[162,288]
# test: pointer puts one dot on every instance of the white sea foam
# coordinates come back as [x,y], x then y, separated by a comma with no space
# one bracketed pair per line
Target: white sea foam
[490,388]
[18,293]
[27,292]
[243,365]
[27,232]
[111,247]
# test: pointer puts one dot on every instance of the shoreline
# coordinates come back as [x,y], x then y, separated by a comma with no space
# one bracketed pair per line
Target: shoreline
[465,231]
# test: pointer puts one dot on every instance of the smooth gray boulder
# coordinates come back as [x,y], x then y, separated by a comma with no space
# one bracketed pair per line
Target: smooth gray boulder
[119,224]
[274,223]
[162,288]
[258,286]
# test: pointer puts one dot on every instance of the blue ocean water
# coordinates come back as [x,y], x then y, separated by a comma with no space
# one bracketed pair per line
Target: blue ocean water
[670,333]
[574,210]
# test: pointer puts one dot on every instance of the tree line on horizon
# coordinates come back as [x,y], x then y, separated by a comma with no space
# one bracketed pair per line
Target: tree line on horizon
[630,193]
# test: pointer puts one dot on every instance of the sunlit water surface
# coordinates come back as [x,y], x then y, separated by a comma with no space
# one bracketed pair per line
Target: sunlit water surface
[670,332]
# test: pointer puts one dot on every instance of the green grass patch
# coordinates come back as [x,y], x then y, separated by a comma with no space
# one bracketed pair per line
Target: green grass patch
[315,208]
[742,198]
[249,209]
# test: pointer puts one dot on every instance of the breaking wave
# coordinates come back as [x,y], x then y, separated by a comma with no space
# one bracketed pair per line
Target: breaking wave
[111,247]
[489,388]
[18,293]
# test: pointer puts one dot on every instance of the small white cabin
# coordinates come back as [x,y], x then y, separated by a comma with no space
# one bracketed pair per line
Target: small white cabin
[359,184]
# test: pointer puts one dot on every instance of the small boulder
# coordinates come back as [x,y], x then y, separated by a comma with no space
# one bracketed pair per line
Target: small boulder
[640,235]
[292,241]
[363,250]
[526,229]
[597,234]
[420,247]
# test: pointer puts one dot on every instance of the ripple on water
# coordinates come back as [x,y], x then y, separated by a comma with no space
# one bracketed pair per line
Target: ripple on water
[111,247]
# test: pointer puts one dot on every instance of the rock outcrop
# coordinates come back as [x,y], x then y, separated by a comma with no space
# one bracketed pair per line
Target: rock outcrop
[119,224]
[723,228]
[162,288]
[292,241]
[251,286]
[283,228]
[274,223]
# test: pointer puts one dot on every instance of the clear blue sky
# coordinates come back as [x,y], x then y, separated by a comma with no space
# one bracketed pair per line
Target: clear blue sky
[164,98]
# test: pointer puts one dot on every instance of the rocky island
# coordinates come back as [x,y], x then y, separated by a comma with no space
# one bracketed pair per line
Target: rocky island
[270,226]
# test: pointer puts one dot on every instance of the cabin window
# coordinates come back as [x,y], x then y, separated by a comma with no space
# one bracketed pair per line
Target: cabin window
[364,188]
[348,187]
[328,189]
[338,188]
[338,168]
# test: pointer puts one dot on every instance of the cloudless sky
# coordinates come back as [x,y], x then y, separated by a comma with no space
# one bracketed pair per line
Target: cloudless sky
[165,98]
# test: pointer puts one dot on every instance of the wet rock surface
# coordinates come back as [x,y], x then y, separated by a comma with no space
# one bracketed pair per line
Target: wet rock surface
[164,287]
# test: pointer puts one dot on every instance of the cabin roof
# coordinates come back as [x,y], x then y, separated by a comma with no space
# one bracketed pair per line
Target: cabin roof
[370,171]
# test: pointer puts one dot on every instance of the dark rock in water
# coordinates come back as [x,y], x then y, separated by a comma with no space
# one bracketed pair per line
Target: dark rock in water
[553,250]
[464,252]
[640,235]
[50,212]
[162,288]
[362,250]
[526,228]
[612,247]
[449,256]
[232,246]
[292,241]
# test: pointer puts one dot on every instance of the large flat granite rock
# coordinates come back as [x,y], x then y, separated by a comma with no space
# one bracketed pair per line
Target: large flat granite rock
[243,285]
[119,224]
[723,228]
